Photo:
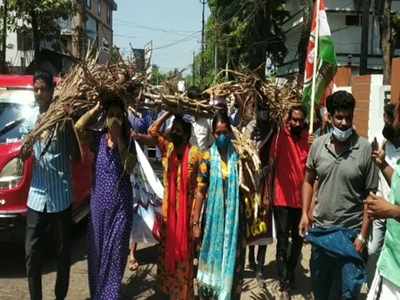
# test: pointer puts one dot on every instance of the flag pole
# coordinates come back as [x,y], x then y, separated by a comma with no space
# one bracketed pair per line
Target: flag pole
[314,79]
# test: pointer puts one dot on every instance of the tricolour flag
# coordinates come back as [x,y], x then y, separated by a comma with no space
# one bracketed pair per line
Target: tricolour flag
[326,57]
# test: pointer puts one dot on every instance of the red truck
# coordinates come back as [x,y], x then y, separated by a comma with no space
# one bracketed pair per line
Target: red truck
[18,114]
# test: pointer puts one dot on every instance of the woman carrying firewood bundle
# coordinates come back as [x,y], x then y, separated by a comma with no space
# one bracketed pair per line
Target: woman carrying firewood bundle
[111,201]
[180,209]
[222,250]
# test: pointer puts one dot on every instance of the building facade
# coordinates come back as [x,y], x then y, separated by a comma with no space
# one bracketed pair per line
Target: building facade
[344,17]
[98,30]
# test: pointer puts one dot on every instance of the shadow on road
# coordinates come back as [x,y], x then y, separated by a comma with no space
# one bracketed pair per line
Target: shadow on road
[142,284]
[12,258]
[268,287]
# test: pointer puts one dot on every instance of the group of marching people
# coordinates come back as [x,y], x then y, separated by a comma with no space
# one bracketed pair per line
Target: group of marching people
[321,188]
[190,177]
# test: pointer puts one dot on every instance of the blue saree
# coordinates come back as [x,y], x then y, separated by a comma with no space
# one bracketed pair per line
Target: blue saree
[219,249]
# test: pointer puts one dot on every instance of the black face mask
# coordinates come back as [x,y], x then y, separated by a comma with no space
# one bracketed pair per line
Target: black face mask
[176,139]
[296,131]
[390,133]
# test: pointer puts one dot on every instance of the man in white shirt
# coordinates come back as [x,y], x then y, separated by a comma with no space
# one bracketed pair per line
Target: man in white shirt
[392,155]
[202,136]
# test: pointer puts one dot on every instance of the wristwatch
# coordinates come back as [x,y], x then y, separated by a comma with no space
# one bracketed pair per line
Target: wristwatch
[361,239]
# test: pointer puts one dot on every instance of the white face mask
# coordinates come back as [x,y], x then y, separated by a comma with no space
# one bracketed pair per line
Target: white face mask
[341,135]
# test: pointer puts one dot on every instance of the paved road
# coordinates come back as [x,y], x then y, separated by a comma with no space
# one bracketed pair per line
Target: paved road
[138,285]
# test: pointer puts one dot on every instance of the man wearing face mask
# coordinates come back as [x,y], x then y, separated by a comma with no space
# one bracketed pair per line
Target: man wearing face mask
[180,227]
[342,162]
[288,155]
[391,148]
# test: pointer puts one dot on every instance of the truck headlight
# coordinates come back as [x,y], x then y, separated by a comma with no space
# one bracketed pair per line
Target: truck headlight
[11,174]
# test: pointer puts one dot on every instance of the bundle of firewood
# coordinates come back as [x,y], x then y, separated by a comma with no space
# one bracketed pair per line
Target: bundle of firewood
[249,91]
[251,181]
[89,82]
[155,98]
[250,161]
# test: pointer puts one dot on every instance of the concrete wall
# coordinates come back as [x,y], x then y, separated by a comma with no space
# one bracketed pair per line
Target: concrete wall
[395,81]
[371,96]
[14,57]
[360,86]
[347,39]
[98,11]
[102,29]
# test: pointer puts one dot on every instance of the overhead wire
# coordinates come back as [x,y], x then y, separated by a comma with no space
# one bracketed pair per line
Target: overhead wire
[185,39]
[150,28]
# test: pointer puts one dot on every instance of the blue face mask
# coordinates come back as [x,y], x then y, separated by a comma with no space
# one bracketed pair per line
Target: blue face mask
[223,141]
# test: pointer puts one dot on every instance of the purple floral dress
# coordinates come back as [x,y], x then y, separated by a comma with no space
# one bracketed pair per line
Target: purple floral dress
[110,224]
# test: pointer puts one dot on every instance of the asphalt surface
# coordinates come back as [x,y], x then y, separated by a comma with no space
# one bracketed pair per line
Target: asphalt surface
[138,285]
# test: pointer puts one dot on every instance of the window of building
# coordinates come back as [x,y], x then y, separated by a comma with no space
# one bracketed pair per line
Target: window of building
[109,15]
[353,20]
[88,3]
[99,8]
[397,44]
[91,28]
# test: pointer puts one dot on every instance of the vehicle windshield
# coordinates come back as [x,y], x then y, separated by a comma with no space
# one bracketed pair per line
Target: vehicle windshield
[18,114]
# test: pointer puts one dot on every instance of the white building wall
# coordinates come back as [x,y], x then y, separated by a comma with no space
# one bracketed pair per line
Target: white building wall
[347,38]
[376,105]
[14,57]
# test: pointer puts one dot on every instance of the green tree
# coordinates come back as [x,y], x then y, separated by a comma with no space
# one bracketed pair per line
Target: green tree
[241,33]
[305,36]
[41,17]
[115,55]
[157,76]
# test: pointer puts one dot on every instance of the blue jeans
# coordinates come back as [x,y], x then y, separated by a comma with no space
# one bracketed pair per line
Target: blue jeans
[327,277]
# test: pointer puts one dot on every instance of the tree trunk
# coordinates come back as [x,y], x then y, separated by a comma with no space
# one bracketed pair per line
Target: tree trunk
[305,37]
[386,41]
[261,32]
[35,35]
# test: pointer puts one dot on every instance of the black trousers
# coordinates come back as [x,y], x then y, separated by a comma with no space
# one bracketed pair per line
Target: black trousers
[261,253]
[37,225]
[287,223]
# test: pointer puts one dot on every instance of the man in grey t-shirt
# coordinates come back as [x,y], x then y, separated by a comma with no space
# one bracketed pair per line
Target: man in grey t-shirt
[342,162]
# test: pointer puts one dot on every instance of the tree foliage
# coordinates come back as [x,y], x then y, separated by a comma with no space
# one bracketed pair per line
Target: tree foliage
[41,17]
[241,33]
[157,77]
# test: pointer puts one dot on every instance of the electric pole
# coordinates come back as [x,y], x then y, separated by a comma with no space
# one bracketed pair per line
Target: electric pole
[387,41]
[78,48]
[203,2]
[216,59]
[227,65]
[4,37]
[194,69]
[364,37]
